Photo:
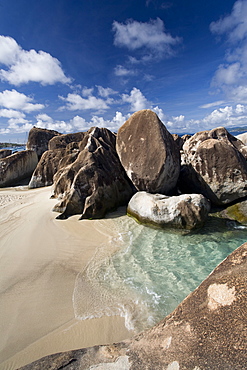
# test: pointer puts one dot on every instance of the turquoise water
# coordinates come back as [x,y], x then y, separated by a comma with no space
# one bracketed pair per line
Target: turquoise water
[147,272]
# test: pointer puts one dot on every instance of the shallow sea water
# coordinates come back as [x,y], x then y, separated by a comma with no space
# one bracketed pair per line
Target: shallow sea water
[147,272]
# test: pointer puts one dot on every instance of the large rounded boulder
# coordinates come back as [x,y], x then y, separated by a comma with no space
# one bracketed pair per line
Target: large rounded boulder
[39,138]
[214,166]
[148,153]
[186,211]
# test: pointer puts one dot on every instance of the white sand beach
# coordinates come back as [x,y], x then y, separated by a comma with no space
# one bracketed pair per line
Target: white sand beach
[40,258]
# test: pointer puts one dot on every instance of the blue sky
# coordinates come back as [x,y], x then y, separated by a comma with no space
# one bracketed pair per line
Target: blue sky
[69,65]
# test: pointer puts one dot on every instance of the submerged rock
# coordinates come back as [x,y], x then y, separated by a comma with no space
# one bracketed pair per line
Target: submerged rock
[148,153]
[187,211]
[17,167]
[96,182]
[206,331]
[214,166]
[39,138]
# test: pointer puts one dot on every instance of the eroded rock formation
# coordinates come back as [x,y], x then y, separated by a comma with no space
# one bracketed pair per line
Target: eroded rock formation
[187,211]
[62,141]
[5,153]
[148,153]
[207,331]
[214,166]
[39,138]
[96,182]
[17,167]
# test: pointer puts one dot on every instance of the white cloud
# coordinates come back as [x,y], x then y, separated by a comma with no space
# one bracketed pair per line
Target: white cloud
[136,99]
[76,102]
[123,72]
[45,121]
[213,104]
[231,77]
[144,35]
[15,100]
[106,91]
[234,25]
[87,91]
[26,66]
[11,113]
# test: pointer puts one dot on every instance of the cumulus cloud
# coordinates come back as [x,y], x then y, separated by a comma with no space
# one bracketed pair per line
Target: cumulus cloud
[150,35]
[77,102]
[45,121]
[231,76]
[136,99]
[106,91]
[11,113]
[121,71]
[24,66]
[12,99]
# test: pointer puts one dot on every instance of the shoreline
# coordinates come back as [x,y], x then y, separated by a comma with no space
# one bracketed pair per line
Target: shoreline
[41,258]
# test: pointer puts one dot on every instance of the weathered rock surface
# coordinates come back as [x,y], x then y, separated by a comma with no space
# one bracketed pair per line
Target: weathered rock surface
[242,137]
[39,138]
[17,167]
[187,211]
[96,182]
[5,153]
[207,331]
[148,153]
[47,167]
[62,141]
[214,166]
[236,212]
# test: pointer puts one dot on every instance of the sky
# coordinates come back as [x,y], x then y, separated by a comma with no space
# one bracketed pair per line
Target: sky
[68,65]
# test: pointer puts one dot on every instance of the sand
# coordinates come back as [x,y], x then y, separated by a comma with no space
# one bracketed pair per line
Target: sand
[40,258]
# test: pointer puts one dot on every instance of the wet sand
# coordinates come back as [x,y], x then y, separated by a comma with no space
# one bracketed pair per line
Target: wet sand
[40,258]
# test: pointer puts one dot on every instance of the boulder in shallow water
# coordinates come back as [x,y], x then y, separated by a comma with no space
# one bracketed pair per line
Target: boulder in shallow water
[38,139]
[187,211]
[148,153]
[5,153]
[96,182]
[207,331]
[17,167]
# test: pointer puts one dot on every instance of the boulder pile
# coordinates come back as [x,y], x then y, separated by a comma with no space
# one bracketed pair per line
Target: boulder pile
[174,177]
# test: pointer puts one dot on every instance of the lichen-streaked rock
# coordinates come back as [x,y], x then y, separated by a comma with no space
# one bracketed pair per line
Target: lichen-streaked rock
[5,153]
[148,153]
[96,182]
[187,211]
[214,166]
[38,139]
[207,331]
[236,212]
[62,141]
[17,167]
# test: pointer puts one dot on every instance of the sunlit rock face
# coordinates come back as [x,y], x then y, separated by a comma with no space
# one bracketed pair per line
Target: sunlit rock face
[38,139]
[62,141]
[148,153]
[95,182]
[214,166]
[206,331]
[17,167]
[187,211]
